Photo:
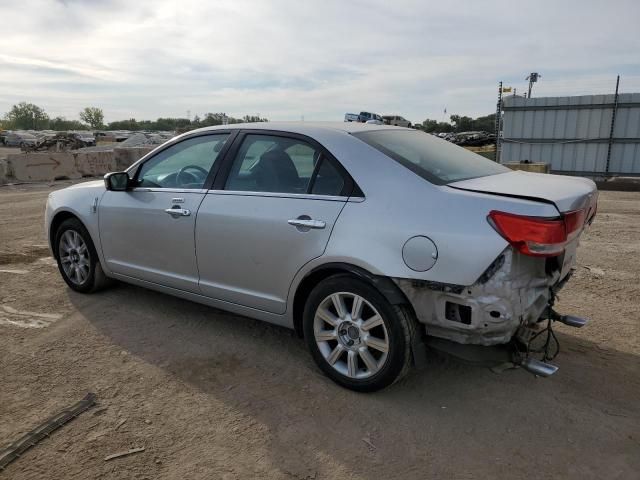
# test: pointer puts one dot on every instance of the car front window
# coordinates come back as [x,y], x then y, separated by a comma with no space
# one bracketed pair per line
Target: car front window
[435,160]
[183,165]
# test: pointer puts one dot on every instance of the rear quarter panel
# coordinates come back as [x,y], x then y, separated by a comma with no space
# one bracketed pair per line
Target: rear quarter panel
[399,205]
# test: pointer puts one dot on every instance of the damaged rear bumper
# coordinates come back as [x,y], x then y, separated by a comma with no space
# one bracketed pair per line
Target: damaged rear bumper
[512,294]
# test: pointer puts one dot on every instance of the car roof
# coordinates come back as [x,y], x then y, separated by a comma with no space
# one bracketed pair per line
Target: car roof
[304,128]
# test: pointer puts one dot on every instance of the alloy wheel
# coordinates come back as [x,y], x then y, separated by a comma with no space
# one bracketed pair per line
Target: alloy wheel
[351,335]
[74,257]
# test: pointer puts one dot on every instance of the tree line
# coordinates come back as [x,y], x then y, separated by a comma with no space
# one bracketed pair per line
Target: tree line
[27,116]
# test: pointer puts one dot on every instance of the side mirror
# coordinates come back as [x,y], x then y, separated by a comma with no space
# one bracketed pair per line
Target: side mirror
[117,181]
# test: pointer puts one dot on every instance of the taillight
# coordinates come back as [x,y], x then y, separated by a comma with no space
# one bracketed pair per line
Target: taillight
[574,221]
[536,236]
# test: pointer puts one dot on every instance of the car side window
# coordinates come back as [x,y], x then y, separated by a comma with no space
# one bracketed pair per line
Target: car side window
[328,180]
[266,163]
[183,165]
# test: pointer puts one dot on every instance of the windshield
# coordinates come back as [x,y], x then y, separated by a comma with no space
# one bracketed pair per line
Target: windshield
[435,160]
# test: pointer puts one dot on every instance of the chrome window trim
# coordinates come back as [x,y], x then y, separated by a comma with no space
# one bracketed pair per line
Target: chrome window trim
[303,196]
[170,190]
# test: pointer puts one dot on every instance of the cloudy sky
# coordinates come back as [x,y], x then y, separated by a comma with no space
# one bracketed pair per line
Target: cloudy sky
[287,59]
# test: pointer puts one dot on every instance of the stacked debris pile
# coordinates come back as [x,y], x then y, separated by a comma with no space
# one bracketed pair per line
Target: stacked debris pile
[60,142]
[134,141]
[145,140]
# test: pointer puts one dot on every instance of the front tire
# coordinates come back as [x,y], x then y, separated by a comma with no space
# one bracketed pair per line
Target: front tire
[356,337]
[77,258]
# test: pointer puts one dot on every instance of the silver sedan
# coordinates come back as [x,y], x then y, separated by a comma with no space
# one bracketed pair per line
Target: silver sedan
[372,242]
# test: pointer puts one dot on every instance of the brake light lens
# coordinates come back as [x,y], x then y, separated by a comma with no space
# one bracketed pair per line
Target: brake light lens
[536,236]
[574,221]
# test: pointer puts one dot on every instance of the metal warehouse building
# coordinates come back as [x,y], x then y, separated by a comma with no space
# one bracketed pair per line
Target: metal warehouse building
[591,135]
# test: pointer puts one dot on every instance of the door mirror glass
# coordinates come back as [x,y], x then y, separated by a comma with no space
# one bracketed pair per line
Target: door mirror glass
[116,181]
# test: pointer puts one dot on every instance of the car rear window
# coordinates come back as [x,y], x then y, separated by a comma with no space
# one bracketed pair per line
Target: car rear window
[434,159]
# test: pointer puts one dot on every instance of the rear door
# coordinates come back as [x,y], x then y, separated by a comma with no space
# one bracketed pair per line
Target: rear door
[147,232]
[271,211]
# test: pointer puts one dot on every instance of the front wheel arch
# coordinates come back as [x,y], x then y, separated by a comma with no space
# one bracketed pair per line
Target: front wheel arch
[56,221]
[95,279]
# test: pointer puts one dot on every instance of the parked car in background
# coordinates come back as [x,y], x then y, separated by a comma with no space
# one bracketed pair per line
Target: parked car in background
[369,241]
[375,120]
[472,139]
[396,120]
[85,138]
[362,117]
[44,135]
[20,139]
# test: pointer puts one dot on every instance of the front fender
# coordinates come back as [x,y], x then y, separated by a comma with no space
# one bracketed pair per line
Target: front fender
[81,201]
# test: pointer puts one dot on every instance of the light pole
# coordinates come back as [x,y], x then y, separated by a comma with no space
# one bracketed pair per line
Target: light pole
[533,78]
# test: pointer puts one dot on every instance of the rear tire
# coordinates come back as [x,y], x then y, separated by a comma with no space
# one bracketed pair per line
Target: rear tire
[77,258]
[356,337]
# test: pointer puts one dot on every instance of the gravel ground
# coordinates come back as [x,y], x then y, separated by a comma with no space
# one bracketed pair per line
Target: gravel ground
[213,395]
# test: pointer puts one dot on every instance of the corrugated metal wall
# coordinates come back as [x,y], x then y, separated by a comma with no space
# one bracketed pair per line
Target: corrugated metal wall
[572,133]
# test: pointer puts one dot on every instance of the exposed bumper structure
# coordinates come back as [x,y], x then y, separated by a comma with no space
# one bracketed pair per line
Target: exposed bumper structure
[512,293]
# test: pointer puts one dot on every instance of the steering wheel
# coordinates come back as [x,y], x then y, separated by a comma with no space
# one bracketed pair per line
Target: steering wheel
[195,178]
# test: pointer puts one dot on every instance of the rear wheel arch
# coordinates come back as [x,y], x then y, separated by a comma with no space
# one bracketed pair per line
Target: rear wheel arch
[387,288]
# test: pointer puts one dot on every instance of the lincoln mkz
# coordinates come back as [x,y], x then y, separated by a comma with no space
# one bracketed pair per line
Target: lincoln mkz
[374,243]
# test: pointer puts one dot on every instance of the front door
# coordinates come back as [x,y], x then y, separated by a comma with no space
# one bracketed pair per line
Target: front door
[275,213]
[147,232]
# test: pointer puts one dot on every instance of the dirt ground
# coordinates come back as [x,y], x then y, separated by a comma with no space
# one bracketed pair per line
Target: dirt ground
[213,395]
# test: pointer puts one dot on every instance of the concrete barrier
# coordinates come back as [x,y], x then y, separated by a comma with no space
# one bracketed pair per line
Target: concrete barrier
[3,171]
[45,166]
[125,157]
[528,167]
[63,165]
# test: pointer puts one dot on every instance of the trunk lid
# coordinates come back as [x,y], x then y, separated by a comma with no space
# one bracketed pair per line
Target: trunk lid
[566,193]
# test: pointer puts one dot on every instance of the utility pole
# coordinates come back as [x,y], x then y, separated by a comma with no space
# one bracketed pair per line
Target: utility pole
[613,124]
[498,121]
[533,78]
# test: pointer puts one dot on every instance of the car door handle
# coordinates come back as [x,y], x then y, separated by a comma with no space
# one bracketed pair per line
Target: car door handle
[307,223]
[178,212]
